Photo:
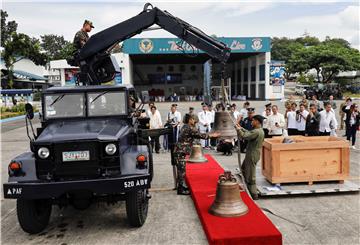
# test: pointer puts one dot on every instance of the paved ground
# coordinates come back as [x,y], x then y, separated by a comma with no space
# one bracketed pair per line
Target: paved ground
[172,219]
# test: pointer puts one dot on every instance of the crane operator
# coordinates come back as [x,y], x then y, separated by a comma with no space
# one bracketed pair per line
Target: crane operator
[81,37]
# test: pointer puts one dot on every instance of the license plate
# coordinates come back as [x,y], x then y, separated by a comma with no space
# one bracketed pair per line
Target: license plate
[70,156]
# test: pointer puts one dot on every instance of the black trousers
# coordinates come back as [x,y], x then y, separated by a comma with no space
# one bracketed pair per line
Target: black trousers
[351,133]
[312,133]
[274,135]
[301,132]
[266,133]
[212,140]
[155,141]
[324,133]
[292,131]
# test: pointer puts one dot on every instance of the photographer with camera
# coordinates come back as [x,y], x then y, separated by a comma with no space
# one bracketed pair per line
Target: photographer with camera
[174,119]
[301,116]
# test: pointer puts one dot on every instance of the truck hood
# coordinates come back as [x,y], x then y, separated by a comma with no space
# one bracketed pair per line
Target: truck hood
[94,129]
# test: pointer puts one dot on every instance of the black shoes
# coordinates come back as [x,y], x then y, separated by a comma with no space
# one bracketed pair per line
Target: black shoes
[183,191]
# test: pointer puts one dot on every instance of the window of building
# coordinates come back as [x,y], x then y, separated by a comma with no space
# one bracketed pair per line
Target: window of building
[253,73]
[262,72]
[182,68]
[246,75]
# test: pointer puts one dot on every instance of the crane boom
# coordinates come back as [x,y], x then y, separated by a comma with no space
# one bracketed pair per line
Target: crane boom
[94,58]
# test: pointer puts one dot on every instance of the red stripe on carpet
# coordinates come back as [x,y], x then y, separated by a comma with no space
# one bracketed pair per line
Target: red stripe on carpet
[251,228]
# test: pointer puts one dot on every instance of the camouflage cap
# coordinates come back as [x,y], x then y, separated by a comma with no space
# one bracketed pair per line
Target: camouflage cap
[89,22]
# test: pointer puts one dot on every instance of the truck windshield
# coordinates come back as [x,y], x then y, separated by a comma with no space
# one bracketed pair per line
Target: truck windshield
[106,103]
[64,105]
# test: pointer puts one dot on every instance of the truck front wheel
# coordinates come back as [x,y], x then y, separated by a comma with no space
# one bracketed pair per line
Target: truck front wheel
[33,215]
[137,204]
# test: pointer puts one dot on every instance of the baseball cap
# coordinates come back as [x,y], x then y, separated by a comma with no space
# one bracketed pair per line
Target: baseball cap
[89,22]
[259,118]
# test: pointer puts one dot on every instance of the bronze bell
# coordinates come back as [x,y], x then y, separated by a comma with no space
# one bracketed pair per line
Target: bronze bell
[224,125]
[197,154]
[228,202]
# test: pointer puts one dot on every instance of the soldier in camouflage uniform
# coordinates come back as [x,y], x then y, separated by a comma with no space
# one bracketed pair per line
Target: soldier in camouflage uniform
[255,138]
[81,37]
[183,147]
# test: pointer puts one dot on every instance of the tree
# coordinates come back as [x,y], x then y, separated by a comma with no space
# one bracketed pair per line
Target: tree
[7,28]
[287,50]
[339,41]
[20,46]
[329,58]
[55,47]
[307,40]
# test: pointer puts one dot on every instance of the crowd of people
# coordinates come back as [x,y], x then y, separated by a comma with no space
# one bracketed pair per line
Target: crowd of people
[304,117]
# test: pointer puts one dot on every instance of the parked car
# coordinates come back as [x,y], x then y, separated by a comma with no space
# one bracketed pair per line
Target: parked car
[301,88]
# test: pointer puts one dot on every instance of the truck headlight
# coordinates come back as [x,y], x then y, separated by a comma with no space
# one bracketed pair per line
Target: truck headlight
[43,152]
[110,149]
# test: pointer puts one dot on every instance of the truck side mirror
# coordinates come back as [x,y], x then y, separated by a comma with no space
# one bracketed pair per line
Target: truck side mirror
[145,98]
[29,111]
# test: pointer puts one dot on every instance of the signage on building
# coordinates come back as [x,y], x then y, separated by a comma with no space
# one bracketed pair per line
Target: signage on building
[175,45]
[277,73]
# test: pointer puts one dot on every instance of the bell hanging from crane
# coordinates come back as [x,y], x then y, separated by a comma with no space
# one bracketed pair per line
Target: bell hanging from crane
[228,202]
[197,155]
[225,125]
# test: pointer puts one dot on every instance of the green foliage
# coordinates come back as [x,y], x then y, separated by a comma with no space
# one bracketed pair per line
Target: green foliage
[37,96]
[303,79]
[21,45]
[304,53]
[56,47]
[7,28]
[17,110]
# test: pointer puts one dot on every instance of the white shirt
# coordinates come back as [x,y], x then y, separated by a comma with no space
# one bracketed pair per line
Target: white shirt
[236,115]
[243,112]
[264,113]
[205,117]
[175,117]
[327,121]
[213,116]
[272,120]
[148,112]
[291,119]
[301,120]
[155,120]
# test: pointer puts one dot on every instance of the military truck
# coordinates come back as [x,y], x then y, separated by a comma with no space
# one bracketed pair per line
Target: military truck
[92,145]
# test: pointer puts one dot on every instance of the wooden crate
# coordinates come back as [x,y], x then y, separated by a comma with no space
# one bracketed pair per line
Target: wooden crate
[309,159]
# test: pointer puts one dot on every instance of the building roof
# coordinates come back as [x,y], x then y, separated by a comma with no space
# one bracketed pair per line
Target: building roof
[61,64]
[28,75]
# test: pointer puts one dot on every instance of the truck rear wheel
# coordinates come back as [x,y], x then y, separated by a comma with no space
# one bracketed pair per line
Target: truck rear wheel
[137,204]
[33,215]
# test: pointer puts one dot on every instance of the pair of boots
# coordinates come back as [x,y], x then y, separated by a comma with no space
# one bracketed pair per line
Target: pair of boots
[182,190]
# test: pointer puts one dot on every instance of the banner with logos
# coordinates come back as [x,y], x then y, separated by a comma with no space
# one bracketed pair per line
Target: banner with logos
[176,45]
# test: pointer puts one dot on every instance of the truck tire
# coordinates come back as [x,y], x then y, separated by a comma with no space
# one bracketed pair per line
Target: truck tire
[33,215]
[137,207]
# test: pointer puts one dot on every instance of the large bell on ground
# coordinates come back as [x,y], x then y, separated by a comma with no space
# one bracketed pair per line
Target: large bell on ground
[224,125]
[197,154]
[228,202]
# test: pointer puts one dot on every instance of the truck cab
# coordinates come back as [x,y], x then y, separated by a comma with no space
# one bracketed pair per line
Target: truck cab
[88,148]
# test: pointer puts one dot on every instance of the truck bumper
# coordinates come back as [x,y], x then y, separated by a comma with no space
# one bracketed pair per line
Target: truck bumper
[43,190]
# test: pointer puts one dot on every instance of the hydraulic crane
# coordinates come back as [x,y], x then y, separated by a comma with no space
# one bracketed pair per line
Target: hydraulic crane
[95,62]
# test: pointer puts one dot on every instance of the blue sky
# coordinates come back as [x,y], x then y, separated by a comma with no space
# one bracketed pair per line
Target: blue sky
[223,18]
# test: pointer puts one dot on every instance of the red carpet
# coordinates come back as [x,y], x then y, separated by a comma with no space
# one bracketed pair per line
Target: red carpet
[251,228]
